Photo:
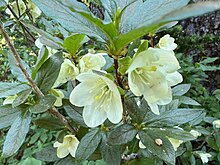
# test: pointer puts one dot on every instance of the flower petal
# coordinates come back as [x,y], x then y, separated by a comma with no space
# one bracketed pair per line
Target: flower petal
[93,117]
[73,146]
[154,108]
[174,78]
[62,151]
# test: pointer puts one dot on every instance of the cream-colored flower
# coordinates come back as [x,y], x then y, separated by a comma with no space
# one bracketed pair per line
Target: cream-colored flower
[34,10]
[204,156]
[100,98]
[9,99]
[40,45]
[216,123]
[167,43]
[196,134]
[68,71]
[152,73]
[69,146]
[175,142]
[91,62]
[59,96]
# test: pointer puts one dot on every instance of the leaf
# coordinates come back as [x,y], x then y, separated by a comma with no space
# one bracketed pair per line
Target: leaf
[110,154]
[122,134]
[171,106]
[173,117]
[45,103]
[164,151]
[74,42]
[88,144]
[22,97]
[15,70]
[124,64]
[8,115]
[48,73]
[68,161]
[41,58]
[72,21]
[47,154]
[192,10]
[30,161]
[10,89]
[48,123]
[209,60]
[181,89]
[2,3]
[75,113]
[188,101]
[137,114]
[16,135]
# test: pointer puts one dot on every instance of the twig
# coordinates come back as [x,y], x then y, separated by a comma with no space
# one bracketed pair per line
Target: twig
[117,75]
[35,88]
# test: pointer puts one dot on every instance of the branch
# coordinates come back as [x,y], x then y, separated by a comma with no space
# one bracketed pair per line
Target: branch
[35,88]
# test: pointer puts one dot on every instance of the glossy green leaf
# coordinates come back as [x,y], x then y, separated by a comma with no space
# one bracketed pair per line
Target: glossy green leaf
[68,161]
[22,97]
[16,135]
[45,103]
[122,134]
[74,42]
[75,113]
[173,117]
[10,89]
[48,73]
[124,64]
[8,115]
[48,123]
[181,89]
[30,161]
[88,144]
[164,151]
[47,154]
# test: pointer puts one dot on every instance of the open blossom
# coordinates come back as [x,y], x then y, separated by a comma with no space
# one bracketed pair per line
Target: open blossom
[216,123]
[69,146]
[167,43]
[68,71]
[100,98]
[59,96]
[151,74]
[175,142]
[9,100]
[204,156]
[195,133]
[91,62]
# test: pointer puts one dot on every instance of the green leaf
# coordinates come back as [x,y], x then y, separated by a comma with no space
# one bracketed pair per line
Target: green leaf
[192,10]
[41,58]
[110,154]
[16,135]
[72,21]
[10,89]
[30,161]
[137,114]
[8,115]
[171,106]
[188,101]
[74,42]
[88,144]
[47,154]
[122,134]
[48,73]
[164,151]
[45,103]
[124,64]
[173,117]
[209,60]
[142,161]
[48,123]
[22,97]
[75,113]
[181,89]
[68,161]
[143,46]
[15,70]
[46,38]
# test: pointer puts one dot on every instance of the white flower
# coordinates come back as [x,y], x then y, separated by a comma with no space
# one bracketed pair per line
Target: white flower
[167,43]
[91,62]
[34,10]
[175,142]
[59,96]
[195,133]
[152,73]
[216,123]
[68,71]
[69,146]
[100,98]
[9,100]
[204,156]
[39,44]
[141,145]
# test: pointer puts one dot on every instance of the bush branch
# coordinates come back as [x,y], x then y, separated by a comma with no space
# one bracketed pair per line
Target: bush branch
[35,88]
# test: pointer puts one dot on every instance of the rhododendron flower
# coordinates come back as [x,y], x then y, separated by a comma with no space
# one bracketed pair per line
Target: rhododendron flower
[152,73]
[204,156]
[195,133]
[167,43]
[59,96]
[69,146]
[91,62]
[68,71]
[175,142]
[100,98]
[216,123]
